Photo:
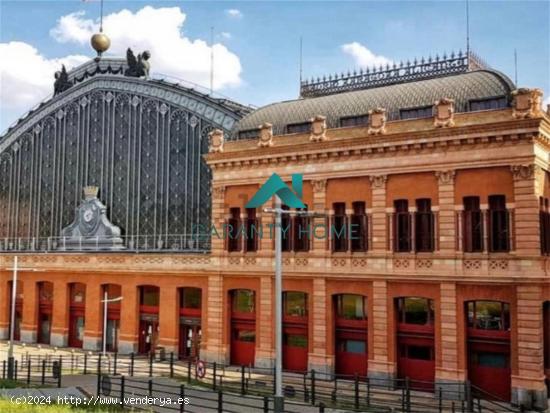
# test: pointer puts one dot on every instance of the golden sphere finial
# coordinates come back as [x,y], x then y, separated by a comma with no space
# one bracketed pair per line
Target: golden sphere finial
[100,42]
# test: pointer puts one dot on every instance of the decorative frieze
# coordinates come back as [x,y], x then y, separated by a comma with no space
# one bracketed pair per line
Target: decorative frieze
[445,177]
[319,185]
[378,181]
[521,172]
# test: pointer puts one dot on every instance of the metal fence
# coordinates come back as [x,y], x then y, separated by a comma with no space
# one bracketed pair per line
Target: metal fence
[311,388]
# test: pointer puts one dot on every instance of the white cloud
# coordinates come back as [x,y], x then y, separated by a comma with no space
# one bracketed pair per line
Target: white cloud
[235,13]
[159,30]
[225,35]
[364,57]
[26,76]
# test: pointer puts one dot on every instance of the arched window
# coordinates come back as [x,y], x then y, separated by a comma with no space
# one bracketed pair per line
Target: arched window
[489,315]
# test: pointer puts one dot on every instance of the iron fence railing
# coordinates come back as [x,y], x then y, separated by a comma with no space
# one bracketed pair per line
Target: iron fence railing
[310,388]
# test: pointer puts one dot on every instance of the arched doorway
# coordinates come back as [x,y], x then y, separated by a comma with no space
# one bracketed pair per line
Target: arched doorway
[295,331]
[113,316]
[190,304]
[149,297]
[45,307]
[351,334]
[77,305]
[489,347]
[18,309]
[243,327]
[415,341]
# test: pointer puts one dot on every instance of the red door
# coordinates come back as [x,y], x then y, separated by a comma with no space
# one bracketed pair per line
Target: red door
[489,369]
[295,347]
[416,355]
[243,342]
[76,327]
[351,348]
[44,323]
[189,341]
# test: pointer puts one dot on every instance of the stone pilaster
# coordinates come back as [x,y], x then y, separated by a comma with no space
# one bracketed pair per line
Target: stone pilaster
[5,295]
[29,324]
[129,319]
[319,224]
[526,213]
[379,225]
[528,386]
[447,214]
[218,219]
[447,367]
[379,364]
[93,316]
[169,319]
[265,356]
[213,348]
[60,314]
[319,359]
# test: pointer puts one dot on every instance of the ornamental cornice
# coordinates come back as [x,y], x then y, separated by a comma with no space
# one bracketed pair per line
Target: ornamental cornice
[357,148]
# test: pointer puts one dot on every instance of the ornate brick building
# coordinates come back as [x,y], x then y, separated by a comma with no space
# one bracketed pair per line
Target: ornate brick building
[440,167]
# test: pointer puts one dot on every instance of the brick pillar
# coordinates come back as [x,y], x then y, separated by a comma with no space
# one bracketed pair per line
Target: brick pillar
[5,295]
[169,319]
[447,368]
[528,385]
[93,316]
[320,227]
[129,319]
[265,327]
[60,315]
[213,349]
[380,367]
[526,214]
[379,227]
[29,324]
[319,359]
[218,220]
[447,214]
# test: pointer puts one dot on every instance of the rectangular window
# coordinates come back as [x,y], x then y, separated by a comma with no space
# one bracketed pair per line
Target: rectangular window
[301,232]
[416,310]
[358,227]
[354,121]
[295,303]
[402,226]
[417,352]
[472,224]
[424,226]
[489,315]
[248,336]
[498,224]
[252,230]
[243,301]
[295,340]
[304,127]
[355,346]
[286,230]
[498,102]
[544,217]
[234,230]
[494,360]
[338,230]
[415,113]
[351,307]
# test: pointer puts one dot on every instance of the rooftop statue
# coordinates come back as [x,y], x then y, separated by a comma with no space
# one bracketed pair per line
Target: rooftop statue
[138,67]
[62,82]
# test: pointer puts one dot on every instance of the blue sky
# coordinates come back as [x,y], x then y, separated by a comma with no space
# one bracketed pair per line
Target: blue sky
[257,60]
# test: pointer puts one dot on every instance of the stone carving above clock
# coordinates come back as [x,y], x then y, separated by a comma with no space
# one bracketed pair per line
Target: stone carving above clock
[91,229]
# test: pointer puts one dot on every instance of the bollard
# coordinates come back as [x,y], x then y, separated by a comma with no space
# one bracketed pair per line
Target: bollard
[132,364]
[312,387]
[220,401]
[150,387]
[99,384]
[172,364]
[182,397]
[122,391]
[242,381]
[321,407]
[214,376]
[151,358]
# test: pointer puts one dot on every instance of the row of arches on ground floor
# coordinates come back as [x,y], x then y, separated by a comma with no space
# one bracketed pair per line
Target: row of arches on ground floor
[487,327]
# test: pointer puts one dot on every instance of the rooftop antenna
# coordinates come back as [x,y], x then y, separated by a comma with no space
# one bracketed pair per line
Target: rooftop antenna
[516,66]
[101,17]
[99,41]
[468,28]
[211,60]
[301,63]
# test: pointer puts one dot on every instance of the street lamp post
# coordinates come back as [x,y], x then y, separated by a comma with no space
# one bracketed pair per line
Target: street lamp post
[12,319]
[106,300]
[278,212]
